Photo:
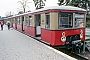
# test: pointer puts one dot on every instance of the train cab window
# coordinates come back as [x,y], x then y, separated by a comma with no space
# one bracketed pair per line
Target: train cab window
[47,21]
[65,20]
[79,20]
[30,20]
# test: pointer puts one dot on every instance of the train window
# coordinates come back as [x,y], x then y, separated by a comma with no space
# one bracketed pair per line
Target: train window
[30,20]
[65,20]
[47,21]
[13,20]
[18,20]
[38,20]
[26,21]
[79,20]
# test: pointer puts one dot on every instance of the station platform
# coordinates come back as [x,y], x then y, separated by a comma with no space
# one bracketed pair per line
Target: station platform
[17,46]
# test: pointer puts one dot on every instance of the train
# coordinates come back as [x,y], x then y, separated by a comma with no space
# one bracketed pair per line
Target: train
[1,20]
[55,25]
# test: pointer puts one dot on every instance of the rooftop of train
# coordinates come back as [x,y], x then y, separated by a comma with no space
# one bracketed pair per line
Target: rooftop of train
[52,8]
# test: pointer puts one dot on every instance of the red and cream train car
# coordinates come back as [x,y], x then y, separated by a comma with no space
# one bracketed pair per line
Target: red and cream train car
[57,25]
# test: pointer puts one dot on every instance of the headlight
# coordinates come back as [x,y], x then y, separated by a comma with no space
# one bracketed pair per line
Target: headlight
[81,34]
[63,38]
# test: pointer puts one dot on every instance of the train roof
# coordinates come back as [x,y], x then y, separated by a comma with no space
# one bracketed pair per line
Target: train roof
[53,8]
[1,19]
[60,8]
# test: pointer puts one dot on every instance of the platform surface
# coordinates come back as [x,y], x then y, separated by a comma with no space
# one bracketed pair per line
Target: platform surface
[15,45]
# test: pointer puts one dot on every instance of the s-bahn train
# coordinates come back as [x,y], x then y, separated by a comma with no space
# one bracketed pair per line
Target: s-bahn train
[56,25]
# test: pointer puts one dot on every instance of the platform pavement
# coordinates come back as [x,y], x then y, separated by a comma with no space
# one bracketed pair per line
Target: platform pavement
[17,46]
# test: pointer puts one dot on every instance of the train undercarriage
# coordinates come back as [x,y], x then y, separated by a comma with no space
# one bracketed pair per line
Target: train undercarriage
[74,44]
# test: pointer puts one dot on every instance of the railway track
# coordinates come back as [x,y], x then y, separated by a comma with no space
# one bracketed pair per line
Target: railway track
[72,54]
[75,55]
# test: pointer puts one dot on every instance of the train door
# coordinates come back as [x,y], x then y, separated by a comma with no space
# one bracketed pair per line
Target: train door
[38,27]
[22,23]
[16,22]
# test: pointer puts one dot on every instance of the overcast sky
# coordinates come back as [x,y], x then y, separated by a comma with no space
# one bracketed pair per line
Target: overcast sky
[13,5]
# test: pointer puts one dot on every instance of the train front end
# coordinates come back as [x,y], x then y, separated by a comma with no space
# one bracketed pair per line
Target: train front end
[65,25]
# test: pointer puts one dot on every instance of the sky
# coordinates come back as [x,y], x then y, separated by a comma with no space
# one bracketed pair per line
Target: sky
[13,6]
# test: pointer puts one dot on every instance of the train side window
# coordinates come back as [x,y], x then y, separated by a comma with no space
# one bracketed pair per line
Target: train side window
[65,20]
[18,20]
[26,22]
[14,20]
[47,21]
[30,20]
[38,20]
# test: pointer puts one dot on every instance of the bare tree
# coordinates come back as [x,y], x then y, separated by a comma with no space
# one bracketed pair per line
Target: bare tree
[24,4]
